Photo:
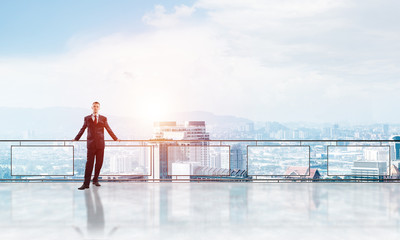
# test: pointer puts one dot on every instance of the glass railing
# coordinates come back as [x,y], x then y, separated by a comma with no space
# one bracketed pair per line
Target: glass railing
[196,160]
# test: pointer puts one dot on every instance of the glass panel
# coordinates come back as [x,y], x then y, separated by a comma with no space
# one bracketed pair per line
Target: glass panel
[42,160]
[80,156]
[127,160]
[5,153]
[198,160]
[358,160]
[279,160]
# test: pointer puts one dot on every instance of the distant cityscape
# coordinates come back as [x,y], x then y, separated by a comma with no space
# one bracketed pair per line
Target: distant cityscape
[198,156]
[282,131]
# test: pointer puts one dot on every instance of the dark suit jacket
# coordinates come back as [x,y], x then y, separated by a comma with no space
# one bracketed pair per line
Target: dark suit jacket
[95,134]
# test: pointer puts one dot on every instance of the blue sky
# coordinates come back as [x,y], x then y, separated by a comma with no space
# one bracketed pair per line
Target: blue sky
[44,26]
[266,60]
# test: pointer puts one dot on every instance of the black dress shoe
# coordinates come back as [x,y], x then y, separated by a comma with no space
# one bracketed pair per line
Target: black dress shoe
[96,184]
[83,187]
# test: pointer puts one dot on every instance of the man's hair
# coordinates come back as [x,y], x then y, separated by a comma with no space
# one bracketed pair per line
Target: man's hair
[95,103]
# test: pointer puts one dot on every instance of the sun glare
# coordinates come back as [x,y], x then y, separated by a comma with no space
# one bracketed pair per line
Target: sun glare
[153,111]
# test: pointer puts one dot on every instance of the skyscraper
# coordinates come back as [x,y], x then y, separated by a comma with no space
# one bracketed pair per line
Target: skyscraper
[190,130]
[397,147]
[237,157]
[385,129]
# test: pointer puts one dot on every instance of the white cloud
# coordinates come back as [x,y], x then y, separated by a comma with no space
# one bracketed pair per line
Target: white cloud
[248,11]
[160,18]
[265,60]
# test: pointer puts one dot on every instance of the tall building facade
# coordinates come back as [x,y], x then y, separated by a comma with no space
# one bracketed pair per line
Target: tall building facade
[193,154]
[238,157]
[189,130]
[397,147]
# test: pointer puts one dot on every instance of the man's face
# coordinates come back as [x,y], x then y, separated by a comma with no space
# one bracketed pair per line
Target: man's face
[96,108]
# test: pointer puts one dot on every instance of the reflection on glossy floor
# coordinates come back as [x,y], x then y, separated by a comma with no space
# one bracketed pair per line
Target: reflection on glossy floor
[200,211]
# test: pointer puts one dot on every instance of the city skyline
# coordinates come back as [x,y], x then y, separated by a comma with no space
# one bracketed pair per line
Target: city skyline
[61,123]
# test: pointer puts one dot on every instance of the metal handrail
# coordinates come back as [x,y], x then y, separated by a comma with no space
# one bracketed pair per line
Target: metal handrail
[220,141]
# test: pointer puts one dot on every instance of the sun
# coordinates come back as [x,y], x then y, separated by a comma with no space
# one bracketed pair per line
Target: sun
[153,110]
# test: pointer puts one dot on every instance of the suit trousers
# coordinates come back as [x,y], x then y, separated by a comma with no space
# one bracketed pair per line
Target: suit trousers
[91,154]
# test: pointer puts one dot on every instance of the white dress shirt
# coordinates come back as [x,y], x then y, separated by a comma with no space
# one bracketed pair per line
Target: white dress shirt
[97,117]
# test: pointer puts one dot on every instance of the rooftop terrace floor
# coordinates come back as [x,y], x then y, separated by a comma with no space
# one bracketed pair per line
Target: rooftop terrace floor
[200,211]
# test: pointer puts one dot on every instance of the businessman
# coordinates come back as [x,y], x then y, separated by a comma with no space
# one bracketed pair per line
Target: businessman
[95,124]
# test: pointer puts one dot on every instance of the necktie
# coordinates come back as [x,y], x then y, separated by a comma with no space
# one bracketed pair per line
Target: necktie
[95,119]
